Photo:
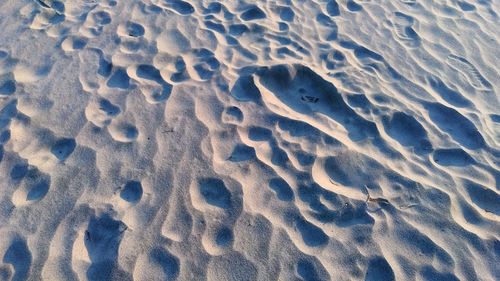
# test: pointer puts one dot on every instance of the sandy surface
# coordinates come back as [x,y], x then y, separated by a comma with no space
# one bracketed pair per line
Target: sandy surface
[249,140]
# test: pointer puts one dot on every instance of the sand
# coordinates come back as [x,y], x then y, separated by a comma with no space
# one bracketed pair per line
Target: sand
[249,140]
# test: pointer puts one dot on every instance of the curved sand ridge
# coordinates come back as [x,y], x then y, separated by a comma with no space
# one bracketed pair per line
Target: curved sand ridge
[249,140]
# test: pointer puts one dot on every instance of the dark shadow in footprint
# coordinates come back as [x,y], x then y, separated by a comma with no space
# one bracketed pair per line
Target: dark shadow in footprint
[19,171]
[131,192]
[224,237]
[327,23]
[379,269]
[205,64]
[63,148]
[286,14]
[459,127]
[332,8]
[149,72]
[241,153]
[449,95]
[312,235]
[43,4]
[259,133]
[58,6]
[101,18]
[39,189]
[306,270]
[466,7]
[19,255]
[7,112]
[214,26]
[105,67]
[452,157]
[102,240]
[180,7]
[6,273]
[213,8]
[166,261]
[134,29]
[495,118]
[77,43]
[109,108]
[353,6]
[4,136]
[234,113]
[237,29]
[253,13]
[483,197]
[215,193]
[363,53]
[408,132]
[358,101]
[282,189]
[7,88]
[245,90]
[430,273]
[119,79]
[367,169]
[279,156]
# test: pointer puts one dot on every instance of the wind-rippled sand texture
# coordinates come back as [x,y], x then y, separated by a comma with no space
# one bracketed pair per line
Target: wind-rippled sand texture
[249,140]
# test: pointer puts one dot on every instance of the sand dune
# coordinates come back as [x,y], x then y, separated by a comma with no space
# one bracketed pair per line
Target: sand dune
[249,140]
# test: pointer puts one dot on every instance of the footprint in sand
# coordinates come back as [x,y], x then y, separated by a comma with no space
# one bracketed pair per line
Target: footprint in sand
[253,13]
[14,251]
[178,222]
[469,71]
[131,29]
[95,23]
[101,242]
[156,264]
[63,148]
[34,187]
[73,43]
[151,83]
[201,64]
[101,112]
[131,192]
[456,157]
[281,188]
[213,197]
[402,25]
[213,193]
[7,85]
[44,16]
[459,127]
[352,6]
[332,8]
[119,79]
[93,69]
[379,269]
[26,72]
[408,132]
[122,131]
[177,6]
[131,37]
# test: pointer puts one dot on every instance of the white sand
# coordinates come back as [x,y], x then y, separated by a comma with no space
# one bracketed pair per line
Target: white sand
[249,140]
